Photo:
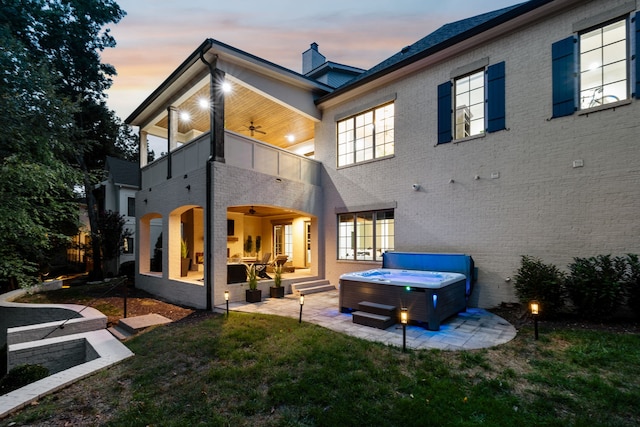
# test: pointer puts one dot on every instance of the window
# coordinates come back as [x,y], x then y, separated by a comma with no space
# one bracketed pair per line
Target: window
[603,65]
[366,136]
[365,236]
[601,57]
[283,240]
[127,245]
[469,99]
[472,103]
[131,206]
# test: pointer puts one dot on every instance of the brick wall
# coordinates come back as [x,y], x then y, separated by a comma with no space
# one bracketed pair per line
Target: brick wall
[539,205]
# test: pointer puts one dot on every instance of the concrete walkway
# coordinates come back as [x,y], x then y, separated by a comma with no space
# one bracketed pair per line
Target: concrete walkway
[476,328]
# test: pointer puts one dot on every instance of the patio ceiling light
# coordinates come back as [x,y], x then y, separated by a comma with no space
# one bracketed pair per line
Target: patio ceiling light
[226,87]
[185,116]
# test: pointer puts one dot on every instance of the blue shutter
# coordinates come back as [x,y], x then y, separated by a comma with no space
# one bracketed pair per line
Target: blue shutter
[444,113]
[637,55]
[564,64]
[495,98]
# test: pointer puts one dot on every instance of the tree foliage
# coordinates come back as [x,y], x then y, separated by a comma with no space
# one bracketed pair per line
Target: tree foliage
[57,129]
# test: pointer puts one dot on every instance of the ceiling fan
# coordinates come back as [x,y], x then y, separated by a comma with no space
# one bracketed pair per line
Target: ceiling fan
[253,129]
[252,211]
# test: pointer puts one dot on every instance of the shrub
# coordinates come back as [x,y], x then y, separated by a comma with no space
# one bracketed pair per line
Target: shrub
[544,283]
[22,375]
[596,285]
[128,268]
[632,283]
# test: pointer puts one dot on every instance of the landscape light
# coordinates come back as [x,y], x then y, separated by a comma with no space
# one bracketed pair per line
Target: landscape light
[535,311]
[226,298]
[301,304]
[404,319]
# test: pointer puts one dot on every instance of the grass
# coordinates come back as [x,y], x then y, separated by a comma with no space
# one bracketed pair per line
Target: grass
[252,370]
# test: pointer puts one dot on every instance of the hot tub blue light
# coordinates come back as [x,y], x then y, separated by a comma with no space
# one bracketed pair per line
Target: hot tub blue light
[435,300]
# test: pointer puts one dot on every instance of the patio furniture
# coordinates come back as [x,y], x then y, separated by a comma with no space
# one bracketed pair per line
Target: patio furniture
[261,267]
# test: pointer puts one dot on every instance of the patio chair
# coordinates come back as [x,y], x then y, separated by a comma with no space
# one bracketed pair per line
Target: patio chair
[261,267]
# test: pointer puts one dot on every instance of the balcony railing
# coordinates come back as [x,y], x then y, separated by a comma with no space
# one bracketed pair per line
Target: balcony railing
[240,151]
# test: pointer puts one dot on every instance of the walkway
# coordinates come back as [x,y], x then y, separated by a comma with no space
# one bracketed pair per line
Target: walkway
[476,328]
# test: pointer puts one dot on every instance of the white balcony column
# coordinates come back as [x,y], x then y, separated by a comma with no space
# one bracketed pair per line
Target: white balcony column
[144,148]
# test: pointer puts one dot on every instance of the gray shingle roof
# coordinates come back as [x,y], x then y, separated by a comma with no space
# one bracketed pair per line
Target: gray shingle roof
[447,35]
[123,172]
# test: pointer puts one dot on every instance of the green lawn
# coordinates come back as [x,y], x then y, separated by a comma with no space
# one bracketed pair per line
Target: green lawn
[253,370]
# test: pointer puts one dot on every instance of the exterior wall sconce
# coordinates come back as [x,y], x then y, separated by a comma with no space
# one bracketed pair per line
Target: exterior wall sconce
[404,319]
[145,201]
[188,187]
[226,298]
[535,312]
[301,304]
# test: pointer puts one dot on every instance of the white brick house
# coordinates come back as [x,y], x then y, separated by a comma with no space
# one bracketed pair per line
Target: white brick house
[518,128]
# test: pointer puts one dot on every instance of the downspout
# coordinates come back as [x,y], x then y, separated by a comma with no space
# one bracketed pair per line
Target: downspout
[214,142]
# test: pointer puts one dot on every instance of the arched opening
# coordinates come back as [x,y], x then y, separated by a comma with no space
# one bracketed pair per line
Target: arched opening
[186,244]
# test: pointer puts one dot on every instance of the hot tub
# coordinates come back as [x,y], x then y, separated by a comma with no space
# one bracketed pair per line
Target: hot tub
[429,296]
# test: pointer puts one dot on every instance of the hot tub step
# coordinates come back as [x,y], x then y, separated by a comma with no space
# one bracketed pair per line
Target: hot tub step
[375,308]
[372,320]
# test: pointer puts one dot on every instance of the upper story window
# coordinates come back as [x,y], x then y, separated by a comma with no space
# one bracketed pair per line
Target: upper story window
[131,206]
[469,100]
[366,136]
[472,102]
[365,236]
[592,67]
[603,65]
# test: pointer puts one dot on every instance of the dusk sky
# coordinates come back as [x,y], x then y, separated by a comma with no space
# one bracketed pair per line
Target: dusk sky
[157,35]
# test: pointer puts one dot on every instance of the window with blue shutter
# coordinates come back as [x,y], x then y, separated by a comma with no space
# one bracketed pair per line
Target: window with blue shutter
[496,97]
[444,113]
[563,76]
[637,55]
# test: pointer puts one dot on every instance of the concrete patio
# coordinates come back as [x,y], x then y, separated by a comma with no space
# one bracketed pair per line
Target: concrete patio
[476,328]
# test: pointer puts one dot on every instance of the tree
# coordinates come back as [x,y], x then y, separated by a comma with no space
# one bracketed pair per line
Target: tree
[54,86]
[38,209]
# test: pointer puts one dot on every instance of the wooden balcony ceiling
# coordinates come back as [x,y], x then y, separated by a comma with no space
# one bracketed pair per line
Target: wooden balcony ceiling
[243,106]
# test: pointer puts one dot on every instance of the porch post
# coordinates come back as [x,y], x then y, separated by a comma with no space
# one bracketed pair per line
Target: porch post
[216,116]
[172,133]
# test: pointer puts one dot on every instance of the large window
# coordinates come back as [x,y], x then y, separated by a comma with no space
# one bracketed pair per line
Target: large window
[365,236]
[366,136]
[469,116]
[603,65]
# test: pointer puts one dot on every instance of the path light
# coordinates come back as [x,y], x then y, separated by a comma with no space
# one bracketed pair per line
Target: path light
[226,298]
[301,304]
[535,311]
[404,318]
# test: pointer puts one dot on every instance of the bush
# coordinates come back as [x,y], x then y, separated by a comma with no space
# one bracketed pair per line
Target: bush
[596,285]
[632,283]
[541,282]
[128,269]
[22,375]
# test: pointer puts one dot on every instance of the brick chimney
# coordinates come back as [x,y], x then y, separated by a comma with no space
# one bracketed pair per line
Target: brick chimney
[312,59]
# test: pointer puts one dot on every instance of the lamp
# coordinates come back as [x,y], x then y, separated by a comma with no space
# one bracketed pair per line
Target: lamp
[301,304]
[404,319]
[535,311]
[226,298]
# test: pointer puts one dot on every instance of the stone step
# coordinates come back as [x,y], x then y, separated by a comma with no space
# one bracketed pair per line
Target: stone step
[133,325]
[119,333]
[372,320]
[380,309]
[311,287]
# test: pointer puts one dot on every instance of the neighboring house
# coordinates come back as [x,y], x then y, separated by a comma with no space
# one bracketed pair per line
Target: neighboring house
[510,133]
[117,193]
